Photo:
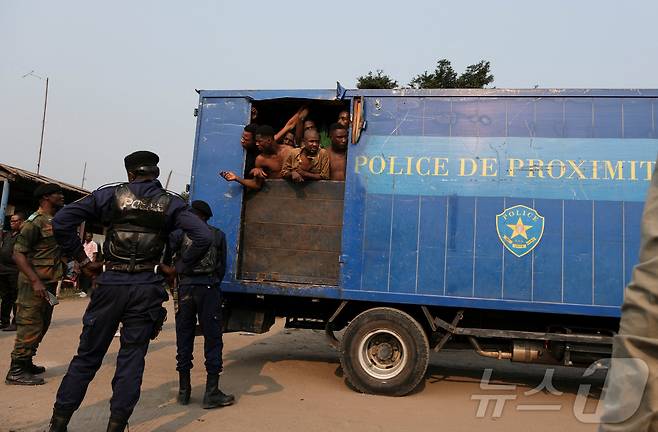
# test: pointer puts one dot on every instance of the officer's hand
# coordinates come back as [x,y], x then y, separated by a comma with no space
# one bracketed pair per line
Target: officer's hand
[39,290]
[169,273]
[92,269]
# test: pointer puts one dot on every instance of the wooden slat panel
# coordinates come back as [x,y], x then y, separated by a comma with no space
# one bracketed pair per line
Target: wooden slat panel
[285,265]
[326,190]
[295,211]
[292,232]
[290,236]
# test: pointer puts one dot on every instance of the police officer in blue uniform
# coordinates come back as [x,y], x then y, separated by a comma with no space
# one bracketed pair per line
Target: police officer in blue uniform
[139,216]
[199,295]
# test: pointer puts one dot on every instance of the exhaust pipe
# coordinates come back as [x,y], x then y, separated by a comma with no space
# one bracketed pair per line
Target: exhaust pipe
[500,355]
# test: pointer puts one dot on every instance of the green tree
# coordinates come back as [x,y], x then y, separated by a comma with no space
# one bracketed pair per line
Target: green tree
[379,81]
[476,76]
[444,76]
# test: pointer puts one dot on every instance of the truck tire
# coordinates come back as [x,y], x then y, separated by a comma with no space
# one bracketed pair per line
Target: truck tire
[384,351]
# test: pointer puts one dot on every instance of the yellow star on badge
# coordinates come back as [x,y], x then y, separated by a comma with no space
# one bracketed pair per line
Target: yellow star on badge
[519,229]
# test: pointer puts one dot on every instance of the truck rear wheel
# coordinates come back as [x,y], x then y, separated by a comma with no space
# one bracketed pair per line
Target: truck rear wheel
[384,351]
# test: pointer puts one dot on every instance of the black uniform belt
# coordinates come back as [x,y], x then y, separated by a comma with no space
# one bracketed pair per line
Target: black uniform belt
[128,268]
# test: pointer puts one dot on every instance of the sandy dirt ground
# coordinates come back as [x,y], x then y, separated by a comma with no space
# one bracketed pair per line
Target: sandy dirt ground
[291,379]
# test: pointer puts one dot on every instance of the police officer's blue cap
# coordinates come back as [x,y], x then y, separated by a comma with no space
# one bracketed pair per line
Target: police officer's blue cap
[46,189]
[139,159]
[202,207]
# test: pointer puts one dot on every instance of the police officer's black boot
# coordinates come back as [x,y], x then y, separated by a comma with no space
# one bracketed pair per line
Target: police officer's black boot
[184,387]
[59,420]
[214,397]
[34,369]
[116,424]
[20,375]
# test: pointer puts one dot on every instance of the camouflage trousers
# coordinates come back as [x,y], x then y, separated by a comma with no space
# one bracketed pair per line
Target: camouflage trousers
[33,317]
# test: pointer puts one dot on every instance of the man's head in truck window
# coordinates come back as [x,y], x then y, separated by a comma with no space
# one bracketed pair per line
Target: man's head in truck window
[248,139]
[338,135]
[311,142]
[309,124]
[289,139]
[265,139]
[344,119]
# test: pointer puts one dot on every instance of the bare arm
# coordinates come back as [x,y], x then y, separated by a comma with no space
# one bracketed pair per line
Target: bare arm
[309,175]
[289,125]
[253,184]
[299,127]
[323,162]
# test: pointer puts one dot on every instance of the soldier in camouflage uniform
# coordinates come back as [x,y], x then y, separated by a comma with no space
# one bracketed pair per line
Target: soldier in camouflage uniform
[38,258]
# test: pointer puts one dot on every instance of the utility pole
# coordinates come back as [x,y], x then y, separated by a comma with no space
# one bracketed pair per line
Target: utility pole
[84,172]
[43,126]
[168,178]
[43,120]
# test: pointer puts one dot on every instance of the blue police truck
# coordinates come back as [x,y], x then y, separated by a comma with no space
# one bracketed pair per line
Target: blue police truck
[506,221]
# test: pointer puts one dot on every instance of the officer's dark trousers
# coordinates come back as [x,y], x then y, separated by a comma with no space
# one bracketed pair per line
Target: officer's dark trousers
[8,293]
[202,301]
[137,307]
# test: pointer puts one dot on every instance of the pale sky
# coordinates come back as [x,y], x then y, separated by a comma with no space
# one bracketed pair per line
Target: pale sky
[123,73]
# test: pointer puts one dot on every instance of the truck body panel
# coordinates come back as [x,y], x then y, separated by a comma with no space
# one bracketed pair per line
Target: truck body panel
[446,190]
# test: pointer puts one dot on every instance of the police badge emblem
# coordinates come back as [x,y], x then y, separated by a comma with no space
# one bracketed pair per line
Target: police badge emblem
[520,229]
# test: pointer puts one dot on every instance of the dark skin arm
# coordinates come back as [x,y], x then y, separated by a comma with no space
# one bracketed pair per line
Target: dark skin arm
[24,266]
[309,175]
[294,176]
[294,120]
[299,127]
[254,184]
[92,269]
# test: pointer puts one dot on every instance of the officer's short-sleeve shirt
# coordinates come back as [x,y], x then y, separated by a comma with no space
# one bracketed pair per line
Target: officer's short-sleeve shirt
[37,243]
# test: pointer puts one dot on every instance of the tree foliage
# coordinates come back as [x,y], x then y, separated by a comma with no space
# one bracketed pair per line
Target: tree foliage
[477,75]
[444,76]
[378,81]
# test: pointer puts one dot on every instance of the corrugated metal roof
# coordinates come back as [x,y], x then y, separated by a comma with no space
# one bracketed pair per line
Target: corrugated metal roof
[11,173]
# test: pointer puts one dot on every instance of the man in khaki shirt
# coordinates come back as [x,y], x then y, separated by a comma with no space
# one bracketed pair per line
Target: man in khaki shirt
[309,162]
[631,399]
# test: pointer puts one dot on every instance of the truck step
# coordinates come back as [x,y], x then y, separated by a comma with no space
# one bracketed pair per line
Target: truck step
[305,323]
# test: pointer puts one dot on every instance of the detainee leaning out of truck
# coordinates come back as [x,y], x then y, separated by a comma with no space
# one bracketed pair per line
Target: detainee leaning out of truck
[268,162]
[310,162]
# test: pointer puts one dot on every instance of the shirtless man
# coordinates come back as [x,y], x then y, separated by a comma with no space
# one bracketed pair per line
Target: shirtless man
[337,151]
[309,162]
[268,162]
[344,119]
[248,142]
